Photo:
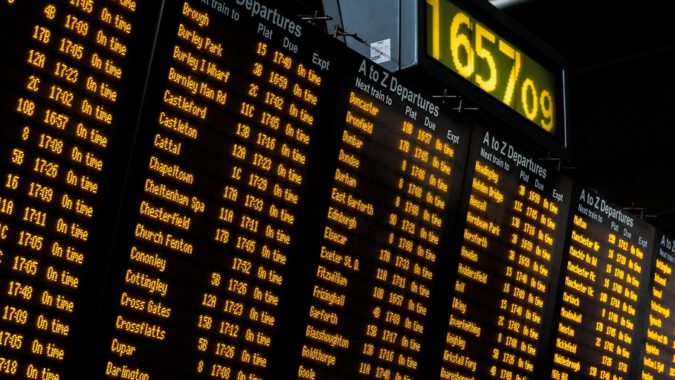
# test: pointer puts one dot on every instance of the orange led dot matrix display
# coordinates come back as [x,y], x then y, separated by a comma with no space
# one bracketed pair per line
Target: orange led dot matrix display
[399,166]
[66,101]
[603,290]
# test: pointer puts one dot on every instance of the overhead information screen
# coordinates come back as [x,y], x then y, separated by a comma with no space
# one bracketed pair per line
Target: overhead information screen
[231,114]
[507,267]
[658,351]
[201,189]
[607,267]
[64,94]
[460,42]
[399,170]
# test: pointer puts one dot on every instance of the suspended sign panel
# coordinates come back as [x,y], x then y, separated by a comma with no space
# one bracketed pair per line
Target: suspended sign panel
[603,292]
[495,65]
[507,270]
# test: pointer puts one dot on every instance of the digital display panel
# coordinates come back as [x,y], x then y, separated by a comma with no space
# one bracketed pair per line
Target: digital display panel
[65,87]
[216,193]
[492,63]
[607,275]
[399,170]
[658,359]
[511,247]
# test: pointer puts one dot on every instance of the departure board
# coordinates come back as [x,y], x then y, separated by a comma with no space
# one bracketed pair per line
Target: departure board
[399,170]
[66,91]
[215,194]
[511,247]
[607,275]
[658,360]
[207,189]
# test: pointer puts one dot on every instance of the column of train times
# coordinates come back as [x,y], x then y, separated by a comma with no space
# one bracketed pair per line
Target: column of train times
[392,186]
[607,270]
[64,64]
[658,360]
[222,184]
[511,243]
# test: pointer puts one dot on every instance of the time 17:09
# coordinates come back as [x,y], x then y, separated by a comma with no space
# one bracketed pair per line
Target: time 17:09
[482,57]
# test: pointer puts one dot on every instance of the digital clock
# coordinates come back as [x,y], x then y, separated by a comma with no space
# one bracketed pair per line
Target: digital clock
[469,48]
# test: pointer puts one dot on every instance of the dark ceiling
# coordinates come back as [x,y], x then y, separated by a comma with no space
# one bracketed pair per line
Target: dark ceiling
[622,95]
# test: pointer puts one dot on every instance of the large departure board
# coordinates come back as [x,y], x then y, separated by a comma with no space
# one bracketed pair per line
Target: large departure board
[606,281]
[658,360]
[206,189]
[231,114]
[66,90]
[399,170]
[506,272]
